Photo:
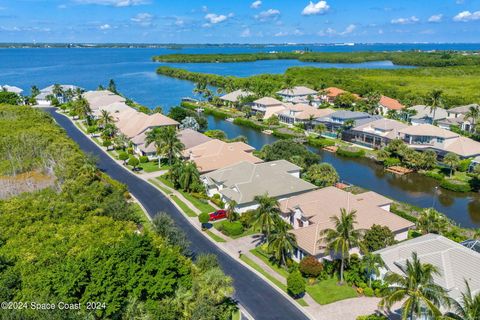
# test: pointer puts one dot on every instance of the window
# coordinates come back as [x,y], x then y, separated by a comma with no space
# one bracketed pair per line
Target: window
[440,140]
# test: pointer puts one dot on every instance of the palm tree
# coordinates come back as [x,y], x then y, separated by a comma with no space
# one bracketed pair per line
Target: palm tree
[121,141]
[105,118]
[468,308]
[452,160]
[432,221]
[343,237]
[473,114]
[267,211]
[372,100]
[166,141]
[435,100]
[34,91]
[416,289]
[320,128]
[188,175]
[281,242]
[232,215]
[372,262]
[82,108]
[57,90]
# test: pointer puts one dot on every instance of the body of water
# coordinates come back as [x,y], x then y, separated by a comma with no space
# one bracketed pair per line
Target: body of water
[134,73]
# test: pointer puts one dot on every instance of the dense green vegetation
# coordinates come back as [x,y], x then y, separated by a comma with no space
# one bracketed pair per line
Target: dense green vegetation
[459,84]
[437,59]
[84,240]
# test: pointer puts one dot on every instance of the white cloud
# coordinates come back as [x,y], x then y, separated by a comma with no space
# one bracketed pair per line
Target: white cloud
[296,32]
[214,18]
[105,26]
[179,22]
[143,19]
[246,33]
[332,32]
[315,8]
[268,14]
[410,20]
[256,4]
[436,18]
[281,34]
[113,3]
[62,6]
[466,16]
[349,29]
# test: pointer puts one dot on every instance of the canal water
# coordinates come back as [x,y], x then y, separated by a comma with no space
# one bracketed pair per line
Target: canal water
[134,73]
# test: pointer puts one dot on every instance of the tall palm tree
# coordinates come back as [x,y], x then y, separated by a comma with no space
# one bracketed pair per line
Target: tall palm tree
[372,263]
[466,309]
[188,175]
[34,91]
[232,214]
[420,295]
[435,100]
[121,141]
[267,211]
[82,108]
[281,242]
[372,100]
[432,221]
[343,237]
[473,114]
[452,160]
[105,118]
[166,141]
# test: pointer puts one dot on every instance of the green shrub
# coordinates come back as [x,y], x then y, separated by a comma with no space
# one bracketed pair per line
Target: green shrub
[351,152]
[310,267]
[107,143]
[123,156]
[372,317]
[434,175]
[378,292]
[143,159]
[231,229]
[295,284]
[92,129]
[217,200]
[249,123]
[320,142]
[368,292]
[133,161]
[455,185]
[463,165]
[247,218]
[204,218]
[130,150]
[390,162]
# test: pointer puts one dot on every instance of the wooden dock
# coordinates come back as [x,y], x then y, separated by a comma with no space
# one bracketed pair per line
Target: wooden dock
[399,170]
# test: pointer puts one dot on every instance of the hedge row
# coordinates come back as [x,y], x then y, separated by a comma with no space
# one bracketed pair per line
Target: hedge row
[351,152]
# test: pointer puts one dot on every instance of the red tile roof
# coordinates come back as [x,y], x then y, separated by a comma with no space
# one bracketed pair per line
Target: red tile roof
[391,103]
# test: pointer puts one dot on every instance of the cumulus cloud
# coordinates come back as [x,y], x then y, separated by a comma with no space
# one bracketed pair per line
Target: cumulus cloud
[143,19]
[315,8]
[436,18]
[410,20]
[105,26]
[256,4]
[113,3]
[466,16]
[268,14]
[332,32]
[214,18]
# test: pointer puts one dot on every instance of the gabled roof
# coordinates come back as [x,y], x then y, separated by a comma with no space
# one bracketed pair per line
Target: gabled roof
[13,89]
[320,205]
[64,87]
[455,262]
[464,147]
[234,96]
[383,127]
[243,181]
[131,122]
[428,130]
[304,111]
[216,154]
[191,138]
[390,103]
[268,101]
[333,92]
[102,98]
[297,91]
[112,108]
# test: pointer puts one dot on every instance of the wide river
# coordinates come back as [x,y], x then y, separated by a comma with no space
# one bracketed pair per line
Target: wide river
[134,73]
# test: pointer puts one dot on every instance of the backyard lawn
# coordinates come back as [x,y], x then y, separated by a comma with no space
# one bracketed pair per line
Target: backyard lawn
[152,166]
[328,291]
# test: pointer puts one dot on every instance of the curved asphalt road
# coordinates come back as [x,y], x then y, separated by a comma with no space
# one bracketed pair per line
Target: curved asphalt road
[257,296]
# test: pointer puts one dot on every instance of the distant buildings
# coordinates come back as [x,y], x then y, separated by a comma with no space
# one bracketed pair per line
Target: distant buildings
[62,97]
[425,115]
[297,94]
[12,89]
[267,106]
[234,97]
[389,104]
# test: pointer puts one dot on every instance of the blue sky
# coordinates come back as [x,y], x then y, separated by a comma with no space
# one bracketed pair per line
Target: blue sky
[239,21]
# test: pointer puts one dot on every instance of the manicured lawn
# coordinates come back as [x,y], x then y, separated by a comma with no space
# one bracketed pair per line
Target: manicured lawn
[165,181]
[189,212]
[147,224]
[236,315]
[245,233]
[159,185]
[152,166]
[267,275]
[328,291]
[214,236]
[256,252]
[200,205]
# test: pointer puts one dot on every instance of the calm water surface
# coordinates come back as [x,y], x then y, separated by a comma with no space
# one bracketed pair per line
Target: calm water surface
[134,73]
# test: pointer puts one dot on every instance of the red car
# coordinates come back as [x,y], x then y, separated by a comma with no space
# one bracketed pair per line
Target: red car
[217,215]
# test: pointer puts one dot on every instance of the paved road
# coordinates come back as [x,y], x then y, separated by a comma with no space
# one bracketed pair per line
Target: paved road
[260,300]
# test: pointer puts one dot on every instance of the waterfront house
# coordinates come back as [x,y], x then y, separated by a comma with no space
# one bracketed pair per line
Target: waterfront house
[245,180]
[376,134]
[424,114]
[458,117]
[216,154]
[389,104]
[189,138]
[335,121]
[234,97]
[267,106]
[301,113]
[442,141]
[12,89]
[298,93]
[112,109]
[329,95]
[42,98]
[310,213]
[455,263]
[131,122]
[102,98]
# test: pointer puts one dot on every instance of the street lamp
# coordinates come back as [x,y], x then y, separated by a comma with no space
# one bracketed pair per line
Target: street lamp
[434,197]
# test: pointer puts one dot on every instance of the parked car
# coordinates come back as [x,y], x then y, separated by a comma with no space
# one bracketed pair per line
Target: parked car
[217,215]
